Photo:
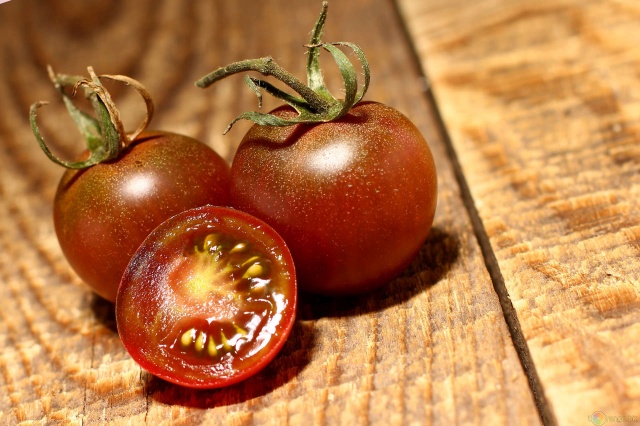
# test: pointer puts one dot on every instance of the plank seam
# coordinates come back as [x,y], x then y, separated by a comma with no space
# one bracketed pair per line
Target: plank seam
[489,257]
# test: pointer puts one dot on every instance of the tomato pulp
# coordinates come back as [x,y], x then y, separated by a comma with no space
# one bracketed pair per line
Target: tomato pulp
[353,198]
[208,299]
[103,213]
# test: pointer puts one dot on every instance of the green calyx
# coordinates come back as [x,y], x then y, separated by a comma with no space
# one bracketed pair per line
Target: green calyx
[104,134]
[315,104]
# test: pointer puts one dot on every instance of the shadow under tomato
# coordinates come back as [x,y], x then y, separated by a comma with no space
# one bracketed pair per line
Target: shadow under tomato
[439,252]
[435,259]
[294,356]
[104,312]
[292,359]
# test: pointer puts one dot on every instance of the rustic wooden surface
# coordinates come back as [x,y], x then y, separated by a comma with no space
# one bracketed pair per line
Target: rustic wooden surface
[542,103]
[521,308]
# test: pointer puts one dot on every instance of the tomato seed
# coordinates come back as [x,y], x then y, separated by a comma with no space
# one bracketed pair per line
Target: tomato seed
[212,349]
[239,248]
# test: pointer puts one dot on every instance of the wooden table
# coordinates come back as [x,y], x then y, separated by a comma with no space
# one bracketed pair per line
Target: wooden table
[523,306]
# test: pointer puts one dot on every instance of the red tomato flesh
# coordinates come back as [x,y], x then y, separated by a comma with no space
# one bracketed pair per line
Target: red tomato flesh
[208,299]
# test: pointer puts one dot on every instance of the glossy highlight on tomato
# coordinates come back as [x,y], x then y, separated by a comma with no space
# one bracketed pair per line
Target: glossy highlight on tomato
[104,212]
[208,299]
[353,198]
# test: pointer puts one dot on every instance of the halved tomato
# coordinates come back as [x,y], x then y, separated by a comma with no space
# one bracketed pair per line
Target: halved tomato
[208,299]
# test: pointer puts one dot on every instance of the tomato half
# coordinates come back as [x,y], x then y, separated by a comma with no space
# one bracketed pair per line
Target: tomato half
[353,198]
[208,299]
[102,213]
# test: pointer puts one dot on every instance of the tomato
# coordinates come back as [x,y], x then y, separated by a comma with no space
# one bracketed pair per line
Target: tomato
[351,186]
[104,212]
[208,299]
[353,198]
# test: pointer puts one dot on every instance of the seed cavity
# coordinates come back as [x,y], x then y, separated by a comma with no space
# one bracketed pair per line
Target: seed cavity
[229,270]
[201,343]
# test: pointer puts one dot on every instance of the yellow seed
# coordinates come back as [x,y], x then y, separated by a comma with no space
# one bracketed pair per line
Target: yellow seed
[212,350]
[210,241]
[251,260]
[240,330]
[200,342]
[253,271]
[187,338]
[239,248]
[225,342]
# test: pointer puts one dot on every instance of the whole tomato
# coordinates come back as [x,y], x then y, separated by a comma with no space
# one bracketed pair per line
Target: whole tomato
[351,186]
[353,198]
[104,212]
[124,185]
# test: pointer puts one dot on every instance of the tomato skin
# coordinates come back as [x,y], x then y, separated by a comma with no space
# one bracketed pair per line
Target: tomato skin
[102,213]
[173,284]
[354,198]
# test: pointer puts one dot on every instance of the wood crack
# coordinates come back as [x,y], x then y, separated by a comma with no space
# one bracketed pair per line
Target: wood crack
[509,312]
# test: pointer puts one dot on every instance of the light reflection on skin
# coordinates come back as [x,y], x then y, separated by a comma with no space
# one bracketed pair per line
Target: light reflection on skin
[332,158]
[138,186]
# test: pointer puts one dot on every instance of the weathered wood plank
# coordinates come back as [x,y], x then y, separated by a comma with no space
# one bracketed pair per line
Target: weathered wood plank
[433,347]
[542,103]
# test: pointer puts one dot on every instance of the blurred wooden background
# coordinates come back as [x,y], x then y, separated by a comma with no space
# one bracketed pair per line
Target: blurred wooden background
[522,307]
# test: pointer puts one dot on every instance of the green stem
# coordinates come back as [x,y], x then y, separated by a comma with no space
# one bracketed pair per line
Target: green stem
[268,67]
[316,104]
[314,72]
[105,134]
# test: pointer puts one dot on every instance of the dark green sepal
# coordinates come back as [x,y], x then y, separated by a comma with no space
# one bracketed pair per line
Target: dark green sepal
[315,103]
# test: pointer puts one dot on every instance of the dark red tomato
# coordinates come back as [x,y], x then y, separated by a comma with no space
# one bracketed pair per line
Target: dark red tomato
[354,198]
[208,299]
[103,213]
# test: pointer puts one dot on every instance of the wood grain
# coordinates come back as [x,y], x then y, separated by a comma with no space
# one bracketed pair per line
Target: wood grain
[431,348]
[542,104]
